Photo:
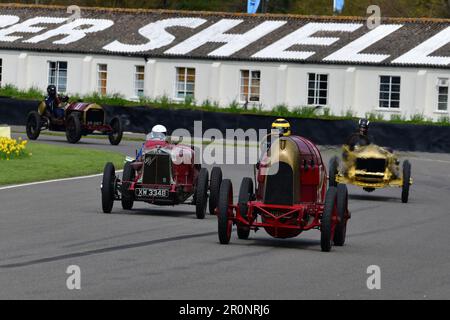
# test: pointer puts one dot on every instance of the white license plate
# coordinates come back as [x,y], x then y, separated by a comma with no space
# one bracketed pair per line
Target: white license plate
[151,193]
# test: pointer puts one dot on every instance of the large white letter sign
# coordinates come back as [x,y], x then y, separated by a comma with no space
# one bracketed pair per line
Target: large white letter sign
[351,52]
[421,53]
[73,30]
[303,36]
[27,27]
[216,33]
[8,20]
[157,35]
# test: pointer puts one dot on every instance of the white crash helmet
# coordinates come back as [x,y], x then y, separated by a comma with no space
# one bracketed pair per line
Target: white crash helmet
[159,132]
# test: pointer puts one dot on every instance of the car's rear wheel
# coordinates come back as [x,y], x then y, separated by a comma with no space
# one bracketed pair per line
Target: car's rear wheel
[225,223]
[201,197]
[333,171]
[33,125]
[214,189]
[245,196]
[342,209]
[108,188]
[73,128]
[406,181]
[127,180]
[115,137]
[327,223]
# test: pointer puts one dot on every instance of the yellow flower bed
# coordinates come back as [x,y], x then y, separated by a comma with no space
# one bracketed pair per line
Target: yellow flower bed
[12,148]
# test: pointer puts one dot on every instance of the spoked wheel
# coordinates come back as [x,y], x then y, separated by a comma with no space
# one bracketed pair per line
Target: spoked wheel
[245,195]
[225,223]
[329,219]
[73,129]
[115,137]
[406,181]
[108,188]
[127,179]
[214,189]
[333,168]
[201,196]
[33,125]
[343,215]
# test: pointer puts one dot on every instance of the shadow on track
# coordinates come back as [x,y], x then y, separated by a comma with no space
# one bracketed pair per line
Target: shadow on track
[375,198]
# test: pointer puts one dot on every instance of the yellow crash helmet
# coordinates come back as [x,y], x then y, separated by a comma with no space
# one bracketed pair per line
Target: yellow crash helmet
[283,126]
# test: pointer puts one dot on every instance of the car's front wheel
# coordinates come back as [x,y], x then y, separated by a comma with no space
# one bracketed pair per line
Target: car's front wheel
[108,188]
[127,180]
[73,128]
[115,137]
[406,181]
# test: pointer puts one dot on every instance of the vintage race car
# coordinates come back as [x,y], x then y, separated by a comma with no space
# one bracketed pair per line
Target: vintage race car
[371,167]
[163,174]
[291,197]
[80,119]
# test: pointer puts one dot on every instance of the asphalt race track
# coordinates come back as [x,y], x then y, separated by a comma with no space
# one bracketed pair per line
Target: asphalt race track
[165,253]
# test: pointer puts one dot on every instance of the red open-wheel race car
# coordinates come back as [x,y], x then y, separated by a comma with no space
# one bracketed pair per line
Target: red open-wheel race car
[290,197]
[163,174]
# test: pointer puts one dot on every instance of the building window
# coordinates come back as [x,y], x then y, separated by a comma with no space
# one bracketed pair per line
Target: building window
[250,86]
[317,89]
[57,75]
[443,85]
[390,92]
[139,81]
[185,83]
[102,76]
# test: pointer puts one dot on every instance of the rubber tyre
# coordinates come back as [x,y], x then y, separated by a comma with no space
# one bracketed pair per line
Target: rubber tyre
[333,172]
[108,186]
[406,181]
[327,219]
[245,195]
[73,129]
[214,189]
[201,197]
[342,207]
[127,196]
[225,224]
[33,125]
[116,136]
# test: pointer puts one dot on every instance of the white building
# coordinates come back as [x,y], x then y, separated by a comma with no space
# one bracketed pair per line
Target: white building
[401,67]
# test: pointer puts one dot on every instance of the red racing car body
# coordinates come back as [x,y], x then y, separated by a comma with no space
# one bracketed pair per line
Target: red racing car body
[291,197]
[163,174]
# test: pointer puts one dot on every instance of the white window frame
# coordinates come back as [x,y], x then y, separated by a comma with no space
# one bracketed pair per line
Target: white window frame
[57,79]
[317,89]
[390,92]
[139,84]
[182,86]
[102,90]
[439,95]
[253,82]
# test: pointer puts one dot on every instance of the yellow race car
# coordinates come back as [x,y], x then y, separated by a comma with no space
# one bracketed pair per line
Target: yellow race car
[371,167]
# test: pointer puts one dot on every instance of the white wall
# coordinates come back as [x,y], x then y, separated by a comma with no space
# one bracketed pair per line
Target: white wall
[353,88]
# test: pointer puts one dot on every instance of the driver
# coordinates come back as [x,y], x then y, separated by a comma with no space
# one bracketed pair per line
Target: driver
[360,138]
[159,132]
[280,128]
[52,102]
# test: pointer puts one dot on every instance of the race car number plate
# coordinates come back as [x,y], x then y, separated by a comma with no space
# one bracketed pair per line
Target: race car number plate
[152,193]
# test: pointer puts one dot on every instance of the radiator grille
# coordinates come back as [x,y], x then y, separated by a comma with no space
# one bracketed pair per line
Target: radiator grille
[371,165]
[157,169]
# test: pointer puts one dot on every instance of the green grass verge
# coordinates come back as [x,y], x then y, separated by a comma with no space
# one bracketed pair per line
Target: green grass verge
[50,162]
